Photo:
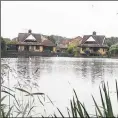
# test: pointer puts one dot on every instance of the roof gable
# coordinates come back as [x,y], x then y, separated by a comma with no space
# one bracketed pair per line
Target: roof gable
[31,37]
[90,39]
[98,38]
[23,36]
[43,38]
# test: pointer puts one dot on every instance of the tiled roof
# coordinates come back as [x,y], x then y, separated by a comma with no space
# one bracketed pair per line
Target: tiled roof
[48,43]
[40,39]
[23,36]
[98,38]
[62,46]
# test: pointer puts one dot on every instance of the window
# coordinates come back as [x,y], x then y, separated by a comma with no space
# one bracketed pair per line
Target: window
[83,48]
[37,47]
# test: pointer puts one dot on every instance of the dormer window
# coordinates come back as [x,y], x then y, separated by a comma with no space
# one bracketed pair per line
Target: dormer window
[30,38]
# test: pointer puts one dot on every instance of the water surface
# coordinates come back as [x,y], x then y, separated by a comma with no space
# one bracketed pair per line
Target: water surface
[57,76]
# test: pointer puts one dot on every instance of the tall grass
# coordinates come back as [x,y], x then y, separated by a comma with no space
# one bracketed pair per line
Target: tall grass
[77,109]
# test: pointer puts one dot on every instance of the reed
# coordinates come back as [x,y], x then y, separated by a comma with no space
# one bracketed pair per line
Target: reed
[77,109]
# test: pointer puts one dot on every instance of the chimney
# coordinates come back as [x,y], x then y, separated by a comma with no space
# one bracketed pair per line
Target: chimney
[29,31]
[94,33]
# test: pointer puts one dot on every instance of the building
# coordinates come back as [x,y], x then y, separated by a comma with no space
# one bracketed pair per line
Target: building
[63,46]
[75,41]
[93,45]
[32,42]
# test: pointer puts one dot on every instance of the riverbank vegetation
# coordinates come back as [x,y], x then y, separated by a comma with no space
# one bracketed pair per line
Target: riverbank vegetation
[114,50]
[77,109]
[73,48]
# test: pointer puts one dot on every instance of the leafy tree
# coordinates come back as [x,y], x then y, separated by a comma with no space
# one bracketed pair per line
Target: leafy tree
[111,41]
[70,49]
[73,47]
[12,42]
[114,49]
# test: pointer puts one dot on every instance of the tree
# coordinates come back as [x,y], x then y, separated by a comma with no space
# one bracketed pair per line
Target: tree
[51,38]
[111,41]
[7,40]
[70,49]
[73,47]
[3,44]
[113,49]
[13,42]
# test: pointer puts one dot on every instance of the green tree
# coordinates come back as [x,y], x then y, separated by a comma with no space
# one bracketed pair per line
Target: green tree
[113,49]
[70,49]
[13,42]
[73,47]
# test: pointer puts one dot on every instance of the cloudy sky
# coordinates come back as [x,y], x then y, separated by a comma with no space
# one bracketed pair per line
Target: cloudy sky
[65,18]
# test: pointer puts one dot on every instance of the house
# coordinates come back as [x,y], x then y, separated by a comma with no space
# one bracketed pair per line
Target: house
[62,48]
[63,45]
[75,41]
[93,45]
[33,42]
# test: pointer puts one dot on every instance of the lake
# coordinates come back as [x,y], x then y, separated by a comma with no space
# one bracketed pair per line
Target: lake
[56,77]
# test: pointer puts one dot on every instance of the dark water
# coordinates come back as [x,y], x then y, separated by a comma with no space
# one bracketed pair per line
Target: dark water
[56,77]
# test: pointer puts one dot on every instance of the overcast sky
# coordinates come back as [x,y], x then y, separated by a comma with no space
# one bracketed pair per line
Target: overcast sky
[64,18]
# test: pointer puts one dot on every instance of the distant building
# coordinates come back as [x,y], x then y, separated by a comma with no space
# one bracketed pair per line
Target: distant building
[62,48]
[34,43]
[93,45]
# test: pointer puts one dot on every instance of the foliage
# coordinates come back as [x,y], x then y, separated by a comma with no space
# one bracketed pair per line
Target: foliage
[12,42]
[79,110]
[57,39]
[4,114]
[113,49]
[111,41]
[70,49]
[52,39]
[3,44]
[7,40]
[73,47]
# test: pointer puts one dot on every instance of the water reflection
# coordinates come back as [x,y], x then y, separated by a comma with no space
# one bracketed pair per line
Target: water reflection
[84,69]
[54,76]
[97,71]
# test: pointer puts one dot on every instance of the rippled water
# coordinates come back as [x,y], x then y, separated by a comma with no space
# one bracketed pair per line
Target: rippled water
[57,76]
